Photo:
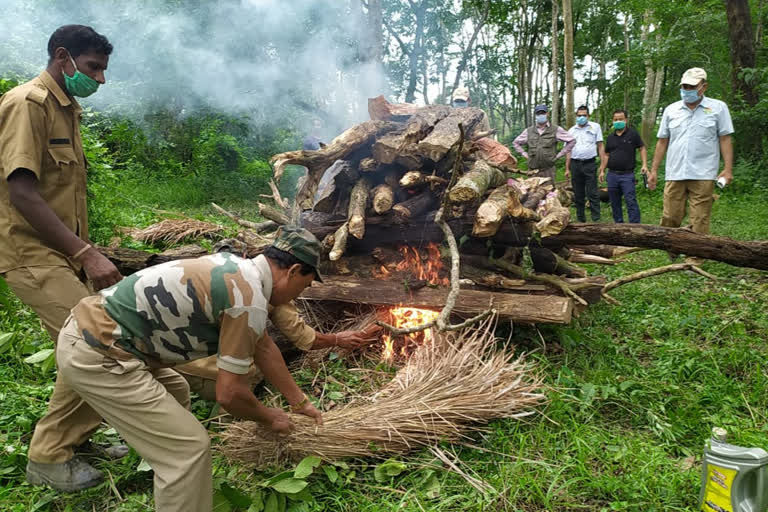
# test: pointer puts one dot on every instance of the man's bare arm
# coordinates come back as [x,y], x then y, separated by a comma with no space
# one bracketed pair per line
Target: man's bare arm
[726,149]
[658,156]
[24,196]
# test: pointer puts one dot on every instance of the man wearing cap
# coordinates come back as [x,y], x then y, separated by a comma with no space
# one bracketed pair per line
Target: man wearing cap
[695,131]
[118,346]
[542,139]
[461,99]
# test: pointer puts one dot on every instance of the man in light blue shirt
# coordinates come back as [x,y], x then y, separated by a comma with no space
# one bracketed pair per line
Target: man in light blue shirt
[695,130]
[589,144]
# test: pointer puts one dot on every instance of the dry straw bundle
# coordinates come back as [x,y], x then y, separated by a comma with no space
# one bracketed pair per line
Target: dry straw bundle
[175,230]
[446,390]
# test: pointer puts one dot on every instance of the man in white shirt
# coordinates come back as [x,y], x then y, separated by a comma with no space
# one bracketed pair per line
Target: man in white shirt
[695,130]
[589,144]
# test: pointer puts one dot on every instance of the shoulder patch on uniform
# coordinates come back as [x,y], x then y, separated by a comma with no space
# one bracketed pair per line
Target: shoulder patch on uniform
[37,94]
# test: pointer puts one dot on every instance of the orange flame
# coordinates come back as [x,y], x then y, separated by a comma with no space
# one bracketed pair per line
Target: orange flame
[425,268]
[404,317]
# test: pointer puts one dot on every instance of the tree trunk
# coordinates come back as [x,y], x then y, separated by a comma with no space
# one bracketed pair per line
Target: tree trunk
[570,113]
[480,23]
[473,185]
[375,30]
[416,54]
[649,110]
[627,79]
[743,56]
[555,45]
[735,252]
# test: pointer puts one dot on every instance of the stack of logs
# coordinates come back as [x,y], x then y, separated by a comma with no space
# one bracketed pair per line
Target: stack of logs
[381,183]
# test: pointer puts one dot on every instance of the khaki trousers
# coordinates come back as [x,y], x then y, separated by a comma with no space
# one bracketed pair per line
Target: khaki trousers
[51,291]
[149,408]
[698,193]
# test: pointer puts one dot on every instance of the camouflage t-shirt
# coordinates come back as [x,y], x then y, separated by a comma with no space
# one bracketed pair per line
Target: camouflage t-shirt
[181,311]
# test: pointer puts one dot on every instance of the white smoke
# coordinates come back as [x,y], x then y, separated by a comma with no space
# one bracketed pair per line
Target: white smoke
[268,59]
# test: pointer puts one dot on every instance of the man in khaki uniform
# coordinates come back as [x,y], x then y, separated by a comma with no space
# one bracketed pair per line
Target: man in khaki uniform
[117,346]
[201,374]
[45,256]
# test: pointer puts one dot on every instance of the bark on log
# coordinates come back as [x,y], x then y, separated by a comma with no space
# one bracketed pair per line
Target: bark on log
[379,109]
[339,177]
[358,201]
[446,132]
[423,122]
[718,248]
[518,307]
[368,164]
[318,161]
[493,211]
[554,217]
[472,185]
[414,207]
[415,179]
[383,198]
[273,214]
[547,262]
[496,154]
[391,148]
[339,242]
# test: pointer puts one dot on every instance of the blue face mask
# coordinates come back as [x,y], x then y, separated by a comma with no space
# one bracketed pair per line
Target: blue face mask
[581,120]
[541,118]
[459,104]
[689,96]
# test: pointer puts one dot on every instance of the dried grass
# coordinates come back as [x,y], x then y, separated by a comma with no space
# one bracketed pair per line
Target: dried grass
[446,390]
[173,231]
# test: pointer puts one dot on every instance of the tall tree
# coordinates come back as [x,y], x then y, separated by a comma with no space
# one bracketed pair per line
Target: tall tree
[570,114]
[743,56]
[375,29]
[653,77]
[555,64]
[480,19]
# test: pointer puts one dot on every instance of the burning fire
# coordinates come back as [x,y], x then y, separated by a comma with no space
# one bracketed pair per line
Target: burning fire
[404,317]
[424,265]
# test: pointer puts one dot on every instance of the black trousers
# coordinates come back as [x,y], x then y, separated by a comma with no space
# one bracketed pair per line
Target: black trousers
[584,181]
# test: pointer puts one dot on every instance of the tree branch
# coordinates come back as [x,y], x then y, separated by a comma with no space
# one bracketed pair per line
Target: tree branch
[655,272]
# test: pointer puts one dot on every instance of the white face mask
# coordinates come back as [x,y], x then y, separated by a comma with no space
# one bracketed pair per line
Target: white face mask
[541,118]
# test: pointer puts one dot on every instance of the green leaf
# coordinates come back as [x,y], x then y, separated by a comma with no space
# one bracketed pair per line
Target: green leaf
[290,485]
[306,466]
[276,478]
[235,497]
[331,473]
[386,470]
[271,504]
[336,395]
[39,356]
[143,466]
[5,342]
[431,485]
[257,504]
[303,495]
[221,503]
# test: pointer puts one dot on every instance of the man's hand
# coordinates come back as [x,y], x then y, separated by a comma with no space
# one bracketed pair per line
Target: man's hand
[357,339]
[278,421]
[652,177]
[728,175]
[567,173]
[102,272]
[644,170]
[601,176]
[310,411]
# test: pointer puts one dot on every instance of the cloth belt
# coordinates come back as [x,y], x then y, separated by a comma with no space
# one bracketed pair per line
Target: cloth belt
[619,171]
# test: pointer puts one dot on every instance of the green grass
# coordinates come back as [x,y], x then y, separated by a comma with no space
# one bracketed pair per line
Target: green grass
[633,393]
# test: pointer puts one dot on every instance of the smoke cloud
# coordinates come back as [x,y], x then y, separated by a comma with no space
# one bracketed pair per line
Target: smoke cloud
[290,61]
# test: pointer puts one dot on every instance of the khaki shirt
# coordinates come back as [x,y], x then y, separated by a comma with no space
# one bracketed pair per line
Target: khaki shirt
[40,131]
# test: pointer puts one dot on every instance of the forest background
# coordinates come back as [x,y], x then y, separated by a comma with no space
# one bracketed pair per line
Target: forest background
[200,94]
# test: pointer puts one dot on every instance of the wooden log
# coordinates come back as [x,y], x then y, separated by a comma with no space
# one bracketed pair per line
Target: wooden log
[517,211]
[368,164]
[358,201]
[317,162]
[423,122]
[606,251]
[736,252]
[380,109]
[415,179]
[446,132]
[517,307]
[391,148]
[547,262]
[472,185]
[256,226]
[415,206]
[493,211]
[496,154]
[383,198]
[273,214]
[338,178]
[554,217]
[339,242]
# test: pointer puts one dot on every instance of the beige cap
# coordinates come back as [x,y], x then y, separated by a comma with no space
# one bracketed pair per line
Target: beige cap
[693,76]
[460,93]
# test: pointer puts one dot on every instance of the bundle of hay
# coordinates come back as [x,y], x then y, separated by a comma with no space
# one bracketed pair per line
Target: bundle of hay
[173,231]
[446,390]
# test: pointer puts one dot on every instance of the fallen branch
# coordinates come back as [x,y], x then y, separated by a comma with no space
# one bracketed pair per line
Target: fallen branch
[256,226]
[655,272]
[273,214]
